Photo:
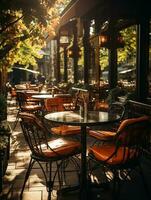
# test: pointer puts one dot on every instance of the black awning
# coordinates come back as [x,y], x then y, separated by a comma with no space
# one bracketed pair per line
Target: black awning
[104,9]
[77,9]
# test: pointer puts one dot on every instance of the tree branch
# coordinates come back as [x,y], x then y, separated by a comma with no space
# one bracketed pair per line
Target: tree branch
[10,24]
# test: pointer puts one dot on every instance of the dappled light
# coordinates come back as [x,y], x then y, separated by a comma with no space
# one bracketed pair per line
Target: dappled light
[72,72]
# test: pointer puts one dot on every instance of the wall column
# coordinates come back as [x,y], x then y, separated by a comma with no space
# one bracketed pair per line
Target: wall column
[57,73]
[86,44]
[65,65]
[112,57]
[142,66]
[75,52]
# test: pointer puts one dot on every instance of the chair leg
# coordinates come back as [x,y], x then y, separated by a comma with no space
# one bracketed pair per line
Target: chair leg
[61,172]
[31,163]
[17,119]
[49,182]
[144,182]
[116,184]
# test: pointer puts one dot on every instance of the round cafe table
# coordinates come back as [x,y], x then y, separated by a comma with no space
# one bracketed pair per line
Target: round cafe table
[42,96]
[33,92]
[91,118]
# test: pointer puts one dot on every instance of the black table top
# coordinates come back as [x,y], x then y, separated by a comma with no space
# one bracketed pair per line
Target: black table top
[74,118]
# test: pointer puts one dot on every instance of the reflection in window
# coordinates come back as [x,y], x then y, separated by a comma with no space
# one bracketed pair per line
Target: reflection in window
[126,57]
[61,65]
[104,64]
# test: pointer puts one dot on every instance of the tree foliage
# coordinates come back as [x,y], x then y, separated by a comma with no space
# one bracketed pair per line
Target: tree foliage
[24,27]
[129,50]
[124,54]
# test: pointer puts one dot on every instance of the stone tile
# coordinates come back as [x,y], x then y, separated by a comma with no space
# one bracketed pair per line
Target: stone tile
[21,164]
[11,166]
[39,188]
[37,171]
[19,183]
[53,195]
[36,181]
[37,195]
[26,195]
[9,178]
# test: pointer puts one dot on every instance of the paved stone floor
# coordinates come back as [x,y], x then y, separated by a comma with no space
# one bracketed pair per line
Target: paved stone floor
[35,187]
[18,163]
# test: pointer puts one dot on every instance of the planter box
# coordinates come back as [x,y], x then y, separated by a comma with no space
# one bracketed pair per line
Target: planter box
[4,151]
[4,156]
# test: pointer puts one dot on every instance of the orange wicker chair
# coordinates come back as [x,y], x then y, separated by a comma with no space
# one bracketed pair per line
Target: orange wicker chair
[46,150]
[53,104]
[66,130]
[123,156]
[56,104]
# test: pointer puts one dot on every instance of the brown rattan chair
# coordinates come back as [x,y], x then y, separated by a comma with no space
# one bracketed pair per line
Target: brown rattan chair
[46,150]
[124,155]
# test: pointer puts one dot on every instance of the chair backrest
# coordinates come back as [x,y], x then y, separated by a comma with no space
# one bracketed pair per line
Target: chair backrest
[54,104]
[134,132]
[117,108]
[80,98]
[21,98]
[35,133]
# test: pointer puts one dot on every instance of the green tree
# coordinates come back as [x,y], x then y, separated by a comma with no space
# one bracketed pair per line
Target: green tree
[21,20]
[23,28]
[125,53]
[129,50]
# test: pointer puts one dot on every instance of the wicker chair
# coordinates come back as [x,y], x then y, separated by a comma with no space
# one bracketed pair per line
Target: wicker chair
[45,150]
[124,155]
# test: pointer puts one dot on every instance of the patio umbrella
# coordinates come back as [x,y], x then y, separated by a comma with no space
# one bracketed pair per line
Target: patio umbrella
[28,70]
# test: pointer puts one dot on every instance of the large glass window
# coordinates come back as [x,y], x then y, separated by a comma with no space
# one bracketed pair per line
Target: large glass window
[126,57]
[62,65]
[104,64]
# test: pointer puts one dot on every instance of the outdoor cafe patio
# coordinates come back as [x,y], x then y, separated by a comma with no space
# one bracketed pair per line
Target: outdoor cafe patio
[132,188]
[89,139]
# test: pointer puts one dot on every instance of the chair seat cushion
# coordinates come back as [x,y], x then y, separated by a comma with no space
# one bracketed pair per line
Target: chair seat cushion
[33,100]
[102,135]
[66,130]
[31,107]
[61,147]
[104,152]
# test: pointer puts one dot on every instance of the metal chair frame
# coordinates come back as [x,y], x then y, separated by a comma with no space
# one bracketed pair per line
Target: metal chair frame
[133,137]
[113,108]
[36,136]
[22,101]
